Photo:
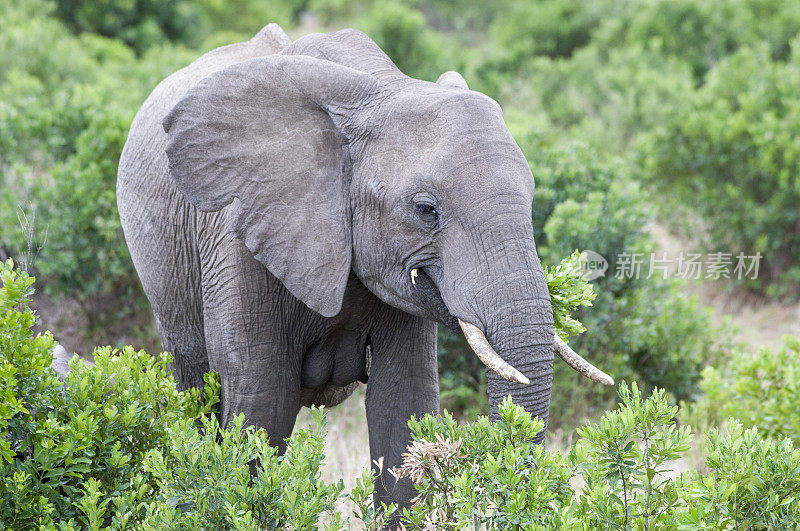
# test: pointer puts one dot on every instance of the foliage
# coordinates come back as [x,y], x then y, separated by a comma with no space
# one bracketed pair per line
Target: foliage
[403,34]
[524,30]
[65,110]
[142,24]
[80,194]
[706,91]
[639,326]
[626,461]
[760,390]
[569,290]
[483,473]
[117,446]
[702,33]
[203,478]
[99,425]
[493,475]
[604,99]
[731,152]
[753,482]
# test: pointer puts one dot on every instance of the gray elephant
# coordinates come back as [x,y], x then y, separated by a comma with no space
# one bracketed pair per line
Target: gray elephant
[302,215]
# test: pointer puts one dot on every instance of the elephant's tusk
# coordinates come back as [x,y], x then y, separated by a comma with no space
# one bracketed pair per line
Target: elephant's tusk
[414,274]
[579,364]
[480,345]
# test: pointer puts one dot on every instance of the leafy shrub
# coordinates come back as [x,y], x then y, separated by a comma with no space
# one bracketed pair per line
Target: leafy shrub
[403,34]
[702,33]
[753,483]
[203,479]
[65,107]
[483,473]
[730,154]
[116,445]
[145,23]
[761,390]
[627,455]
[86,253]
[604,99]
[569,290]
[638,328]
[550,27]
[100,425]
[492,475]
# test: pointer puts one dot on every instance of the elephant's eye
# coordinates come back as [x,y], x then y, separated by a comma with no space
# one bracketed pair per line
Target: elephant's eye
[427,212]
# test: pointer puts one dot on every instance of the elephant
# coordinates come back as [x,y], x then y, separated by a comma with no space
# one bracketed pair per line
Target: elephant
[302,216]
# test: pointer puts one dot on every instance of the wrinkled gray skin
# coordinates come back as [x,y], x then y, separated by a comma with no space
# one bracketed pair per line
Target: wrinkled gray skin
[275,197]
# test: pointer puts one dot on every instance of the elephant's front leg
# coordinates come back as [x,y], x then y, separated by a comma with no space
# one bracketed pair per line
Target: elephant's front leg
[247,322]
[403,381]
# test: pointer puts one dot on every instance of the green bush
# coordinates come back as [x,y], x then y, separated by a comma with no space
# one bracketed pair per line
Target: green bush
[730,154]
[85,253]
[550,27]
[99,425]
[145,23]
[65,107]
[117,446]
[761,390]
[203,479]
[492,475]
[702,33]
[603,99]
[638,328]
[484,473]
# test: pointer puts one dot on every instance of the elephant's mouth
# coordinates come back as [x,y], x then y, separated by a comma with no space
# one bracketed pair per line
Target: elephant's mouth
[428,295]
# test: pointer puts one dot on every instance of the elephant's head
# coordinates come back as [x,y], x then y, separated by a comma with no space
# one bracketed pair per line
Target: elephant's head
[339,162]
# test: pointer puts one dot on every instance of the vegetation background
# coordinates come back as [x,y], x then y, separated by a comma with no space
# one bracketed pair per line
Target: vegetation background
[650,125]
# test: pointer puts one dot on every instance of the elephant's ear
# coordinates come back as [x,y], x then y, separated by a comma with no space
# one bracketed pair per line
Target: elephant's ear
[270,134]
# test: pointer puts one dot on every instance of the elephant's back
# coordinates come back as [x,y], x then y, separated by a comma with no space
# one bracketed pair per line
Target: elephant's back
[143,178]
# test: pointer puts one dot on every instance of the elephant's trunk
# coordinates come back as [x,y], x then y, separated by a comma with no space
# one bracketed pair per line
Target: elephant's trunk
[502,304]
[509,325]
[521,332]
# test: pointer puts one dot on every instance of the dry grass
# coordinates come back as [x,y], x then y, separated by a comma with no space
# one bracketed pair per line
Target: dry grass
[347,442]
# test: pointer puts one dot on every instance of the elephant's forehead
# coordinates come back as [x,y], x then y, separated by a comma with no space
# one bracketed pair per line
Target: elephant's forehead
[425,111]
